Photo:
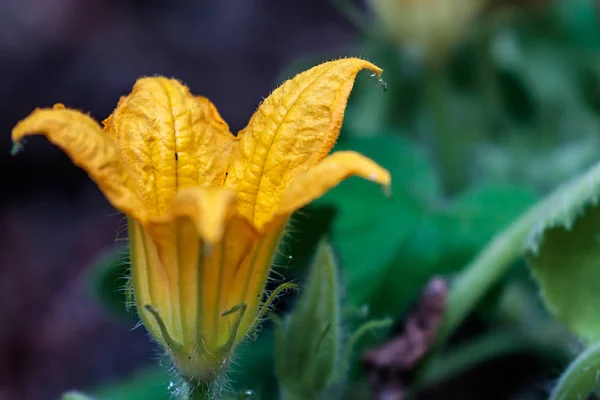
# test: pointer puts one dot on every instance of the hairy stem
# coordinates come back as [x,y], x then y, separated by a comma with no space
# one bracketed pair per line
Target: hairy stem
[581,377]
[199,391]
[485,270]
[507,246]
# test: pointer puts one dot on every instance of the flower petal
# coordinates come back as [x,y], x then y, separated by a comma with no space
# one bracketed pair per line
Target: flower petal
[208,208]
[185,239]
[293,129]
[88,147]
[212,259]
[170,140]
[319,179]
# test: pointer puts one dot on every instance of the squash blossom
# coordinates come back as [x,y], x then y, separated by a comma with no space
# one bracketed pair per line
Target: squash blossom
[206,209]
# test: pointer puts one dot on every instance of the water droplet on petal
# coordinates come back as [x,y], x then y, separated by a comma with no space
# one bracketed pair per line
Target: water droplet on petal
[380,82]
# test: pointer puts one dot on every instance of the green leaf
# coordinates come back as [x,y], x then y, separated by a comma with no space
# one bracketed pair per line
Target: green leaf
[110,280]
[153,383]
[308,340]
[298,246]
[482,211]
[580,380]
[413,174]
[390,247]
[446,239]
[253,367]
[472,219]
[369,227]
[580,20]
[564,253]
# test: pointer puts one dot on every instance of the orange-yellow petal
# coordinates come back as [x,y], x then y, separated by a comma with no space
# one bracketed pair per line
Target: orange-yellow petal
[209,208]
[206,296]
[207,260]
[151,282]
[328,173]
[186,242]
[88,147]
[170,140]
[292,130]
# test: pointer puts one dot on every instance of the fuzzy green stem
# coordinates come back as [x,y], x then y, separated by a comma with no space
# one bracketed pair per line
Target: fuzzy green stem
[507,246]
[360,333]
[491,111]
[485,270]
[481,349]
[581,377]
[448,147]
[200,391]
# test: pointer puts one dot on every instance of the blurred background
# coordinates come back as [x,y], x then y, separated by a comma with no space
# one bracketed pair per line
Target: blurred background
[489,104]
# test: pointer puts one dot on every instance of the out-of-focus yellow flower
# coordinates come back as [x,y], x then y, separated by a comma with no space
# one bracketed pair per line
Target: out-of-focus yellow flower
[207,209]
[432,26]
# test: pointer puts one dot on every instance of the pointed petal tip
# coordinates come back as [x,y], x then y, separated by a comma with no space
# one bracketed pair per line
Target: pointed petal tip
[384,179]
[361,63]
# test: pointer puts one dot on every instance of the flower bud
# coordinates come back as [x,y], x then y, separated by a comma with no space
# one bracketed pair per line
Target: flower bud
[431,27]
[308,341]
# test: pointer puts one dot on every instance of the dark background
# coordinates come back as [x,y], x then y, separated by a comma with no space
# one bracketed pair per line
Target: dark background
[53,220]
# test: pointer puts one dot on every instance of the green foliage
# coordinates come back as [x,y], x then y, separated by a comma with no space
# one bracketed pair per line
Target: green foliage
[579,19]
[253,366]
[390,247]
[580,379]
[109,283]
[153,383]
[308,340]
[369,227]
[564,254]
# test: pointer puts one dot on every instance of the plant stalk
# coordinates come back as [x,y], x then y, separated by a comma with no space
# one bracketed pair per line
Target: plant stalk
[476,279]
[200,391]
[449,146]
[581,377]
[506,247]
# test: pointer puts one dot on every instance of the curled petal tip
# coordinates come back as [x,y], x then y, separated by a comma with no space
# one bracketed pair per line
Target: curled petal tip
[82,139]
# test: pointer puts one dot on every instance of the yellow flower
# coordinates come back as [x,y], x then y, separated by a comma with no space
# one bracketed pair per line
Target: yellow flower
[207,209]
[431,26]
